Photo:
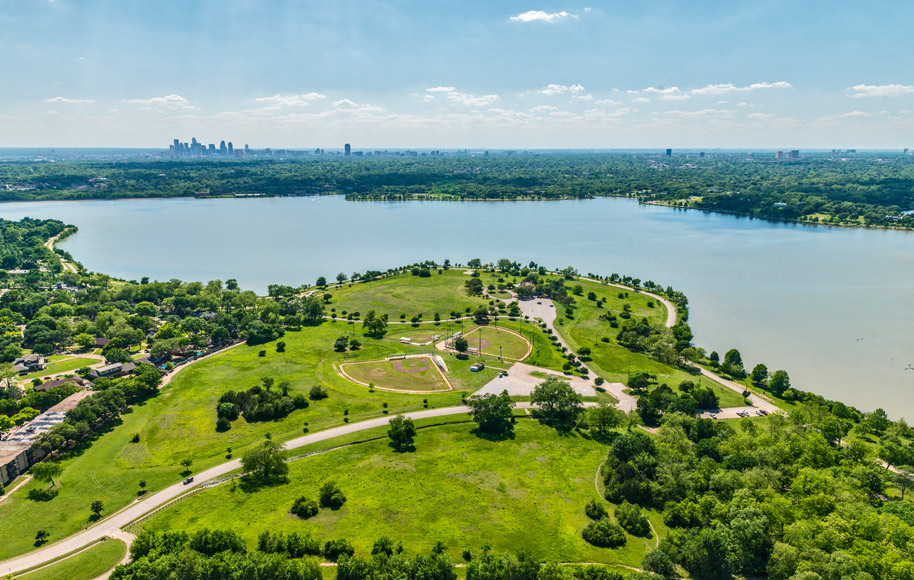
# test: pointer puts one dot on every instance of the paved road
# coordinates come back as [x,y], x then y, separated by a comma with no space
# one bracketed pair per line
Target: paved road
[111,526]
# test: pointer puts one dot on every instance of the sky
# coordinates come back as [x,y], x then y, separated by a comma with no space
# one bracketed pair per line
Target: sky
[453,74]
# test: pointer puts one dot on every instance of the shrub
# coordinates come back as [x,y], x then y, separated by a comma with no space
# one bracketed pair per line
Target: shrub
[304,507]
[300,401]
[604,534]
[223,424]
[595,510]
[317,393]
[333,549]
[631,518]
[262,353]
[331,496]
[135,438]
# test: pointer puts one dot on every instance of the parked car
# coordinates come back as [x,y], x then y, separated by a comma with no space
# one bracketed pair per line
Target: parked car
[188,481]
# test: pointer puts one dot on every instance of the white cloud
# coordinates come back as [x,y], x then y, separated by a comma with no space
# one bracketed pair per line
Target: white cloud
[166,102]
[302,100]
[704,113]
[607,102]
[554,89]
[542,16]
[641,100]
[892,90]
[544,109]
[674,97]
[69,101]
[669,91]
[456,97]
[582,97]
[350,105]
[730,88]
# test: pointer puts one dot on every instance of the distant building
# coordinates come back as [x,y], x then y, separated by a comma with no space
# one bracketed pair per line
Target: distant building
[779,155]
[793,154]
[231,149]
[348,149]
[223,150]
[669,152]
[701,155]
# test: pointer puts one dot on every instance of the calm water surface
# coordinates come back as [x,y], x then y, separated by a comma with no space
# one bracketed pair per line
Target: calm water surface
[831,306]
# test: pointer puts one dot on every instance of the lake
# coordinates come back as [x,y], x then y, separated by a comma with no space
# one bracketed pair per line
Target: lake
[831,306]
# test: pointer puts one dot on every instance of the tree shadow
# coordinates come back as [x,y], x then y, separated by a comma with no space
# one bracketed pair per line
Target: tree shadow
[43,494]
[251,484]
[494,437]
[411,448]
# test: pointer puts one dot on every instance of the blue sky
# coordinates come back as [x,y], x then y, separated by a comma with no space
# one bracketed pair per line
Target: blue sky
[503,74]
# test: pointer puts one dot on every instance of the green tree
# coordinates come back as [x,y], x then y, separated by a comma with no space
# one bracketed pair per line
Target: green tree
[46,471]
[779,382]
[96,509]
[330,495]
[558,402]
[264,464]
[759,374]
[402,432]
[461,345]
[84,340]
[492,413]
[603,418]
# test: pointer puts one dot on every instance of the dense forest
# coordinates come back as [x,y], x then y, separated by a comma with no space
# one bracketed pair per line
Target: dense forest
[860,190]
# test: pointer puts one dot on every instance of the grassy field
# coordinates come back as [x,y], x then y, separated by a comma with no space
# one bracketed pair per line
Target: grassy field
[407,294]
[495,341]
[528,492]
[86,565]
[61,364]
[180,422]
[614,362]
[410,374]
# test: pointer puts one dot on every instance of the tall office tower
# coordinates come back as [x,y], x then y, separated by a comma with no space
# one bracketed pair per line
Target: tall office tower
[779,155]
[669,152]
[177,147]
[348,149]
[223,150]
[212,148]
[231,150]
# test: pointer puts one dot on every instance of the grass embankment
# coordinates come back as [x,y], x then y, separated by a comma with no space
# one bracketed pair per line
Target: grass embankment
[612,361]
[528,492]
[86,565]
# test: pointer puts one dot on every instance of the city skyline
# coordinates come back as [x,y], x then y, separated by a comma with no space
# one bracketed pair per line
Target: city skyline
[512,75]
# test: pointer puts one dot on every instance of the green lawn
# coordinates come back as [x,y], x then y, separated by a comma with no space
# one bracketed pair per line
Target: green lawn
[61,364]
[85,565]
[528,492]
[614,362]
[407,294]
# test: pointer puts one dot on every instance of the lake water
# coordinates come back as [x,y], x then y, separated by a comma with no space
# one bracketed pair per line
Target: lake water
[831,306]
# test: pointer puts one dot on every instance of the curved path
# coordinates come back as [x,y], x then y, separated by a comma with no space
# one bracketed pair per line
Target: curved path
[111,526]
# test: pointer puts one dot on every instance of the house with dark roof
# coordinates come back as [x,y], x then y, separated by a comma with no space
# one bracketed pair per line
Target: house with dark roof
[101,342]
[111,371]
[61,382]
[30,363]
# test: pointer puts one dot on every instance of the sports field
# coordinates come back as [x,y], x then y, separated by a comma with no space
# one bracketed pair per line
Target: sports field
[406,374]
[495,341]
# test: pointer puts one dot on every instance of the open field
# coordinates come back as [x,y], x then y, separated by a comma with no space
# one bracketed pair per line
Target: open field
[495,341]
[528,492]
[86,565]
[402,374]
[409,295]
